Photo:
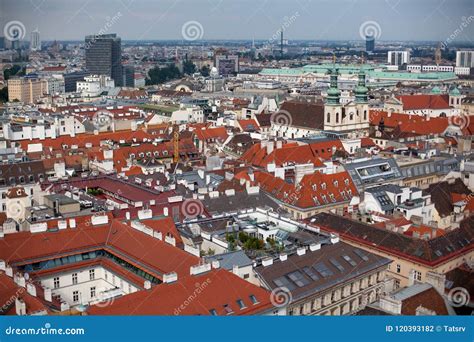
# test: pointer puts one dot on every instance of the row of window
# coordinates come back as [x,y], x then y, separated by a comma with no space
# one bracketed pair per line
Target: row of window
[57,283]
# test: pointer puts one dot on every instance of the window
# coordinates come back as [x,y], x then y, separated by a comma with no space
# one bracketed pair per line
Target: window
[417,275]
[246,275]
[213,312]
[93,292]
[253,299]
[56,282]
[399,268]
[75,296]
[74,278]
[241,304]
[91,274]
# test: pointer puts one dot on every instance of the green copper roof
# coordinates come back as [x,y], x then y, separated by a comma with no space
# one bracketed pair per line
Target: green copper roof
[454,92]
[435,90]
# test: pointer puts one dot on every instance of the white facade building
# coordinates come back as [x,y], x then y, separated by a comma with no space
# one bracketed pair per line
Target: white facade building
[398,57]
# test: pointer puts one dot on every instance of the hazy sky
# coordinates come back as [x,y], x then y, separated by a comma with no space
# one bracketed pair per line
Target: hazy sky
[244,19]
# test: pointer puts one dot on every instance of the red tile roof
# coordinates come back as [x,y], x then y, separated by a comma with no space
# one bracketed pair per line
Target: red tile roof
[314,190]
[418,102]
[408,123]
[289,153]
[218,133]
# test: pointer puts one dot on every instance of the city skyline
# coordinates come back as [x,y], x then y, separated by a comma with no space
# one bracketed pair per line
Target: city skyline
[424,20]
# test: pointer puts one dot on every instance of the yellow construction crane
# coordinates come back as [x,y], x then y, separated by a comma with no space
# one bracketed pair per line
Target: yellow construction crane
[175,143]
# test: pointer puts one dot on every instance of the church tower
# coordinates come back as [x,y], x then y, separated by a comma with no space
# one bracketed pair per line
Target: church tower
[333,107]
[361,102]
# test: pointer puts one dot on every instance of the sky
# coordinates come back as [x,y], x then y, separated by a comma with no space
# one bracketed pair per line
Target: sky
[413,20]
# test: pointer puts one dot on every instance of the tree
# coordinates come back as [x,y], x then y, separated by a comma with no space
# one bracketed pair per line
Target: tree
[4,95]
[188,67]
[161,75]
[205,70]
[9,72]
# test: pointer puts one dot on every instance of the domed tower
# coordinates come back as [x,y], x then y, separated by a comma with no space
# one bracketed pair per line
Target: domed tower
[332,107]
[362,103]
[455,98]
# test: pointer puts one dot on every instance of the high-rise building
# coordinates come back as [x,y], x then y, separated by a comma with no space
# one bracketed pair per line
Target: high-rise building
[103,56]
[35,43]
[369,43]
[465,59]
[227,64]
[398,57]
[129,76]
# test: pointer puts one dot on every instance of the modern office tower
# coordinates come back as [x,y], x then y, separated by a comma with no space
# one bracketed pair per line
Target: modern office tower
[465,59]
[103,56]
[35,43]
[227,64]
[398,57]
[369,43]
[129,76]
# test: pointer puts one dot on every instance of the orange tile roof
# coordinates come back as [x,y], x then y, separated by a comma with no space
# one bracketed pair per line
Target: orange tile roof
[407,123]
[314,190]
[418,102]
[219,133]
[289,153]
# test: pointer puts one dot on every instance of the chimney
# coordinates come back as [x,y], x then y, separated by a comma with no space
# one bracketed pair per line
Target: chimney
[391,304]
[334,238]
[235,269]
[72,223]
[62,224]
[251,175]
[314,247]
[283,257]
[20,280]
[436,280]
[170,277]
[47,294]
[20,307]
[3,265]
[301,251]
[267,262]
[198,269]
[147,284]
[422,311]
[216,264]
[64,306]
[31,289]
[279,144]
[390,226]
[269,147]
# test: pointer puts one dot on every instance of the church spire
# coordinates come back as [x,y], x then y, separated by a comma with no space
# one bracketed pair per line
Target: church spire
[333,92]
